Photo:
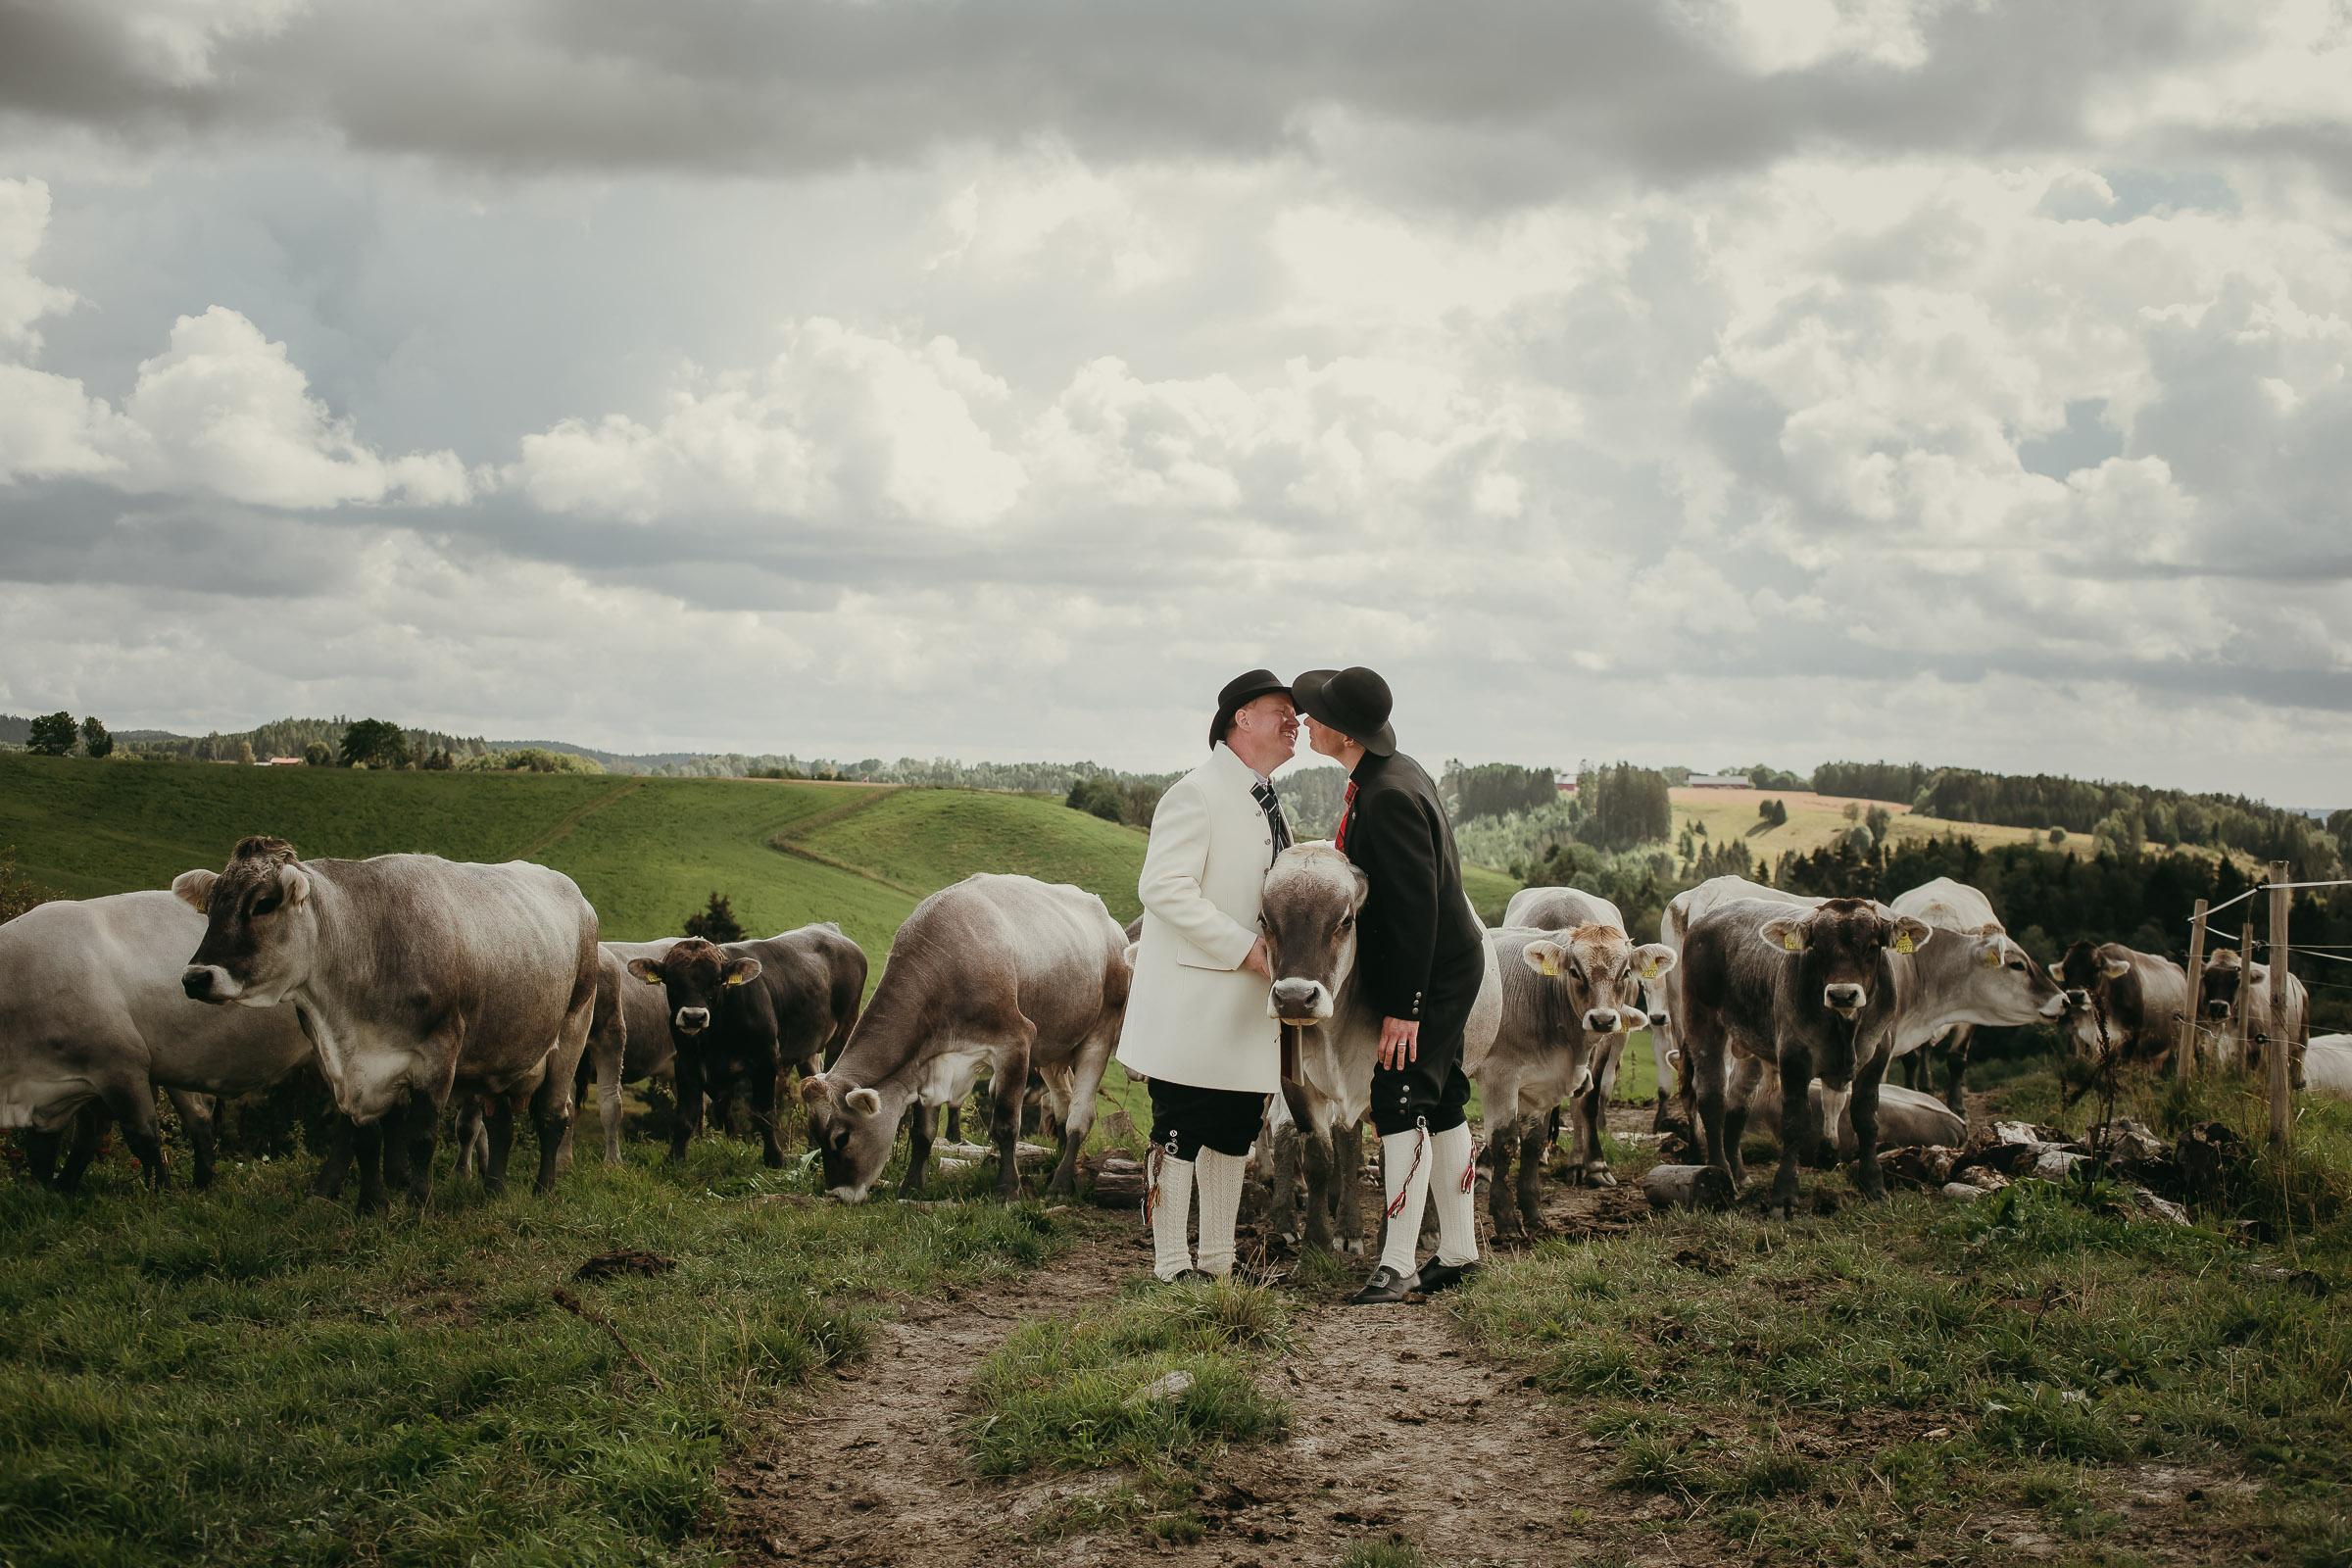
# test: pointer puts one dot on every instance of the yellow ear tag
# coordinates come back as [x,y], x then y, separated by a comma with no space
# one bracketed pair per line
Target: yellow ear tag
[1794,943]
[1548,964]
[1992,958]
[738,979]
[1904,943]
[1649,969]
[652,979]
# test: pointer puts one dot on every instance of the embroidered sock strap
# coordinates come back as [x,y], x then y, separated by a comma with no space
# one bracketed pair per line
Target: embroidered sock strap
[1470,1170]
[1420,1144]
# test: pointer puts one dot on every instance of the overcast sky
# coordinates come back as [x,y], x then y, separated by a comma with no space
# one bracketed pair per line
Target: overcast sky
[1702,381]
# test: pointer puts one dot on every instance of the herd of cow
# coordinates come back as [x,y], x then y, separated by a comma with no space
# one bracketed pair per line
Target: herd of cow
[415,985]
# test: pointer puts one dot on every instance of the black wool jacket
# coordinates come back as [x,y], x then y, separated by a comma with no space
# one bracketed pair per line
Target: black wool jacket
[1416,926]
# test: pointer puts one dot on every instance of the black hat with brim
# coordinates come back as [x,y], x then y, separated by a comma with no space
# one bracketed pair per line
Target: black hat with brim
[1355,701]
[1248,688]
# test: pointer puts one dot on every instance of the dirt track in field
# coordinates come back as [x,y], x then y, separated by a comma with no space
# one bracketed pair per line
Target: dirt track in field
[1397,1428]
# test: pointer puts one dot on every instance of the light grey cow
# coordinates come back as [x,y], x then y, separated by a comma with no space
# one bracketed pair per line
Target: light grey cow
[1307,910]
[415,978]
[1006,974]
[2271,1009]
[92,1014]
[1955,906]
[1581,992]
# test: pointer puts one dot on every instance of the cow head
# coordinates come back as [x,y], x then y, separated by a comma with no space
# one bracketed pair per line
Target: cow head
[1998,982]
[261,934]
[695,974]
[2227,975]
[1307,913]
[851,1130]
[1840,946]
[1602,973]
[2082,975]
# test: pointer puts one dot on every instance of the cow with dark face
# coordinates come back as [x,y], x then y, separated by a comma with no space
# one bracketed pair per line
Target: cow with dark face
[1805,992]
[2257,1003]
[752,1009]
[2122,1005]
[415,978]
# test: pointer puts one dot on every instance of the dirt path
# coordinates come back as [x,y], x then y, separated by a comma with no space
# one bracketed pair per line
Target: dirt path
[1397,1427]
[570,821]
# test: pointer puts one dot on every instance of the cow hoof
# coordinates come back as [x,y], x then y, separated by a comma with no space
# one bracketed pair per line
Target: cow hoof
[1599,1176]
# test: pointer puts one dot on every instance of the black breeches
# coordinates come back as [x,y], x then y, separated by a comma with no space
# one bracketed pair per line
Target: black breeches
[1186,1118]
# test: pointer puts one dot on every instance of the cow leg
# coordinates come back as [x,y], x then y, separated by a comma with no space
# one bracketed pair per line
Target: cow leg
[370,1147]
[77,1140]
[1347,1171]
[1503,1133]
[1317,1151]
[1594,1120]
[550,1109]
[1010,1080]
[1283,1148]
[133,1105]
[1086,1078]
[418,1126]
[1914,1068]
[1669,1081]
[1864,1110]
[335,1162]
[1955,1069]
[764,1108]
[39,1151]
[919,1148]
[954,1130]
[687,1073]
[1737,1089]
[1796,1126]
[498,1119]
[1702,1080]
[204,1139]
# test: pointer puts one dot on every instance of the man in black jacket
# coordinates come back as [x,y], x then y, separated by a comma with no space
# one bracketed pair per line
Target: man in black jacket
[1420,955]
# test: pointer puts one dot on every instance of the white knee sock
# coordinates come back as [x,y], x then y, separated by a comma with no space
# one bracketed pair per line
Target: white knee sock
[1404,1175]
[1171,1201]
[1220,1177]
[1454,1194]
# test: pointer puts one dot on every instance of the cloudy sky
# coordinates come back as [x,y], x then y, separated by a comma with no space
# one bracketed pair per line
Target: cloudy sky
[1702,381]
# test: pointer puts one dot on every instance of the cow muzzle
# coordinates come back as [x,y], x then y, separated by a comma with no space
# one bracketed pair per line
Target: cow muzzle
[1843,1000]
[2077,999]
[1602,1021]
[209,982]
[1657,1020]
[1302,1003]
[2055,1008]
[846,1195]
[692,1021]
[2217,1010]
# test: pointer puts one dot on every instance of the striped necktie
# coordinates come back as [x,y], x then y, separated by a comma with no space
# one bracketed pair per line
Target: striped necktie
[1269,803]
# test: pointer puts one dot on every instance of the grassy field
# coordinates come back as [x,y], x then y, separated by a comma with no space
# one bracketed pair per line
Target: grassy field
[2038,1374]
[1815,820]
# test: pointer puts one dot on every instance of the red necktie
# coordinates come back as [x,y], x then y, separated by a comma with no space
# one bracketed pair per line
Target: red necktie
[1339,839]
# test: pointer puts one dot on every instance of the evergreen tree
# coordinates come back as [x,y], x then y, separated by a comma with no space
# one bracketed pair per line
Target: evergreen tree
[715,922]
[95,741]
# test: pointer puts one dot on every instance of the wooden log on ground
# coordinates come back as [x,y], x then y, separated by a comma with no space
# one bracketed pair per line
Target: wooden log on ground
[1118,1182]
[1687,1187]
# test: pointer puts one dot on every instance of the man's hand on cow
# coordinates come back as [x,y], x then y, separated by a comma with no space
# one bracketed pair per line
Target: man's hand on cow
[1258,958]
[1400,1042]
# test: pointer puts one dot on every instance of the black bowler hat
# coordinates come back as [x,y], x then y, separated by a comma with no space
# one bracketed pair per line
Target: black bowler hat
[1239,691]
[1355,701]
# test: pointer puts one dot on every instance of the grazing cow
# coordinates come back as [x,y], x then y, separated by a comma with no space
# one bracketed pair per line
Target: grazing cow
[755,1008]
[1954,906]
[1608,983]
[1005,972]
[1674,926]
[2328,1065]
[2122,1004]
[1307,912]
[628,1036]
[92,1021]
[415,978]
[2270,1009]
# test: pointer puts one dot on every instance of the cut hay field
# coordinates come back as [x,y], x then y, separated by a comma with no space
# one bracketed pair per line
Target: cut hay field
[1815,820]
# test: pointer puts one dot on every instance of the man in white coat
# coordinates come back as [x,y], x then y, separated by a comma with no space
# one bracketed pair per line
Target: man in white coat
[1197,1025]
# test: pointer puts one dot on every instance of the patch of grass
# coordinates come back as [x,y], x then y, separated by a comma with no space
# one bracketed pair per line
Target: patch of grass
[1075,1393]
[923,839]
[246,1376]
[1811,1388]
[1393,1553]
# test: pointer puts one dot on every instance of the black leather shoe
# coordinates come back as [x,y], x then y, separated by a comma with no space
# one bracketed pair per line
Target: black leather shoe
[1386,1288]
[1435,1277]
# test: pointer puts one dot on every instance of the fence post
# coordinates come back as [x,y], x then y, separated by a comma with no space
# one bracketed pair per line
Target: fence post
[2184,1061]
[2245,979]
[2275,1049]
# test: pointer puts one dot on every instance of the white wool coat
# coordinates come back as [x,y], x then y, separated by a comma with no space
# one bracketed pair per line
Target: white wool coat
[1194,1014]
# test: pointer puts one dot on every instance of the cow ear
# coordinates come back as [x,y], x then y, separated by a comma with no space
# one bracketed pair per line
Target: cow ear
[1909,935]
[813,1087]
[1632,1019]
[1783,933]
[863,1100]
[2114,968]
[1652,960]
[2258,973]
[1995,953]
[1544,957]
[740,970]
[647,971]
[293,883]
[195,888]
